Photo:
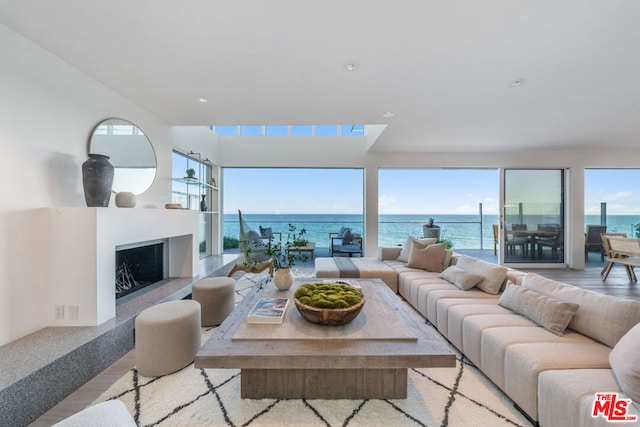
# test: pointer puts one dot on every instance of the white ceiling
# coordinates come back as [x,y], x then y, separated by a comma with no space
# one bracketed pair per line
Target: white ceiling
[442,66]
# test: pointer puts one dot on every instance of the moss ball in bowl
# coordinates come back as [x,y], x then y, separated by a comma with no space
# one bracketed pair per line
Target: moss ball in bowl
[333,304]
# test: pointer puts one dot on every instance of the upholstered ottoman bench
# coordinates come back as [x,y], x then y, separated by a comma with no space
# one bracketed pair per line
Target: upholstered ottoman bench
[217,298]
[367,267]
[167,337]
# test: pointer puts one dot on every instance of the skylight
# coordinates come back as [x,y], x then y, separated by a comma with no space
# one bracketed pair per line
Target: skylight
[290,130]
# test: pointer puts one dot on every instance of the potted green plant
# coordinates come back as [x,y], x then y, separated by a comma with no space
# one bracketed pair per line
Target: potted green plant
[431,230]
[285,254]
[191,173]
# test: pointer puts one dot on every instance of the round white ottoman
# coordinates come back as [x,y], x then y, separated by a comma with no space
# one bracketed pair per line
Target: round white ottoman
[167,337]
[217,297]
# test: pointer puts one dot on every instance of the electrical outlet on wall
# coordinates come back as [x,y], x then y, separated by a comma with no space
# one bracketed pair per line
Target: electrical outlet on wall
[59,312]
[73,312]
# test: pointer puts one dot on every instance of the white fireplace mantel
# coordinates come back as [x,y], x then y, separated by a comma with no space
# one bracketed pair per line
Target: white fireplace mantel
[83,243]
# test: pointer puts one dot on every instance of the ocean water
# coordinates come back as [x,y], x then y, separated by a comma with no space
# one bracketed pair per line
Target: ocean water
[464,231]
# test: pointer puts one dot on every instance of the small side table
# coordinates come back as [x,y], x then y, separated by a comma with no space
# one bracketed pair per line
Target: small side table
[309,247]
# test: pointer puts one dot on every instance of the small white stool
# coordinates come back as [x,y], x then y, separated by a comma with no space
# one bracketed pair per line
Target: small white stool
[217,297]
[167,337]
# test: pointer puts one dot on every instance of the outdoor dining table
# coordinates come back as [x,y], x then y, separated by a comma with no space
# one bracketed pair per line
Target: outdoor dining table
[533,236]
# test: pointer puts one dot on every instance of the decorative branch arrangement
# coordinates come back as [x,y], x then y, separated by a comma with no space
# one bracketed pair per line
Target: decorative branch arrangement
[286,253]
[124,279]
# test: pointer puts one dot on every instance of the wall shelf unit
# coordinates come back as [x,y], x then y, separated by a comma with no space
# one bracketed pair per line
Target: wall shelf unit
[190,191]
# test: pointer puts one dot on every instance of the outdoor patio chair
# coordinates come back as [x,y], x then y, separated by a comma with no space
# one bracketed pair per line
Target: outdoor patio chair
[593,241]
[345,242]
[514,240]
[254,250]
[552,240]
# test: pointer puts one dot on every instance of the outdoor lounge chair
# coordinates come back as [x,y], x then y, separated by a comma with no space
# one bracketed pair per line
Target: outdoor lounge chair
[254,250]
[345,242]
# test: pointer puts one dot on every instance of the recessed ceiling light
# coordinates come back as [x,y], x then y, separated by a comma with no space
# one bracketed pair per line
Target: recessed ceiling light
[203,100]
[388,114]
[516,83]
[351,66]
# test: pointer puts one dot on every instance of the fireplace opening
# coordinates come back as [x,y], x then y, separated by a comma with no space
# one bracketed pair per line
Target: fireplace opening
[138,267]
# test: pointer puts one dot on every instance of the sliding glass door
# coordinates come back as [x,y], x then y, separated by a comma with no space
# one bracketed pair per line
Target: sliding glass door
[533,229]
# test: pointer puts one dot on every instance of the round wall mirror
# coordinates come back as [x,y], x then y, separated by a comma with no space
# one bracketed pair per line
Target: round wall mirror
[130,152]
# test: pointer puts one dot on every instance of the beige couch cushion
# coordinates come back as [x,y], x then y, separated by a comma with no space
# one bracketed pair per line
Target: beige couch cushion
[625,363]
[445,305]
[493,274]
[430,258]
[463,279]
[621,316]
[552,314]
[457,314]
[524,363]
[429,304]
[496,341]
[406,248]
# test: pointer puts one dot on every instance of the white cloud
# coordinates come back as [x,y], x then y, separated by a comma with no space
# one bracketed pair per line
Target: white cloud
[620,195]
[467,210]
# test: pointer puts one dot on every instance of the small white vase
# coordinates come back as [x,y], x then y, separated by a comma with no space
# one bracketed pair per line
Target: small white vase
[125,199]
[283,278]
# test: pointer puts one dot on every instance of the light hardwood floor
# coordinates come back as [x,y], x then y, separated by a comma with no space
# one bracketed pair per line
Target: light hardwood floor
[617,284]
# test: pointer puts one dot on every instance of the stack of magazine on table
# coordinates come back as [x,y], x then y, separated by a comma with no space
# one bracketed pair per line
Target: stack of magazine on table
[268,310]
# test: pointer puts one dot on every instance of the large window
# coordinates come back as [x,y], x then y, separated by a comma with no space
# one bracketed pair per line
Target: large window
[318,200]
[463,202]
[291,130]
[611,198]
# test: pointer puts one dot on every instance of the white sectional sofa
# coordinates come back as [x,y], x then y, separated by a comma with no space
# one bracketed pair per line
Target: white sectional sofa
[551,376]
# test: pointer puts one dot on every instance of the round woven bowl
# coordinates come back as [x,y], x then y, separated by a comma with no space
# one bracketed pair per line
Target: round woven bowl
[329,316]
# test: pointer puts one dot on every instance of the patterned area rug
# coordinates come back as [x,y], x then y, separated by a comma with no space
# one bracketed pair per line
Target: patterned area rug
[460,396]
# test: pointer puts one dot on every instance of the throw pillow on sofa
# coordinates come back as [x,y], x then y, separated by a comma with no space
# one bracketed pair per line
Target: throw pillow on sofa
[430,258]
[552,314]
[406,248]
[462,279]
[625,363]
[494,275]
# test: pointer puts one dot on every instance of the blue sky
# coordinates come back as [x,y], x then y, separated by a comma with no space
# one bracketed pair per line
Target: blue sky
[617,187]
[438,191]
[340,191]
[292,190]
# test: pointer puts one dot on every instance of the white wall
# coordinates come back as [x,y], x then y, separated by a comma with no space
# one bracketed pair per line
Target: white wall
[48,110]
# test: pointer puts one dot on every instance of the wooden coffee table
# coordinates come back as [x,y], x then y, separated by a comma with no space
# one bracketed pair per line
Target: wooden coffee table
[366,359]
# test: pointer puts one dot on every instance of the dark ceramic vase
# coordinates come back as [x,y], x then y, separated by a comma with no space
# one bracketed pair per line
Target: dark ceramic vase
[97,180]
[203,203]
